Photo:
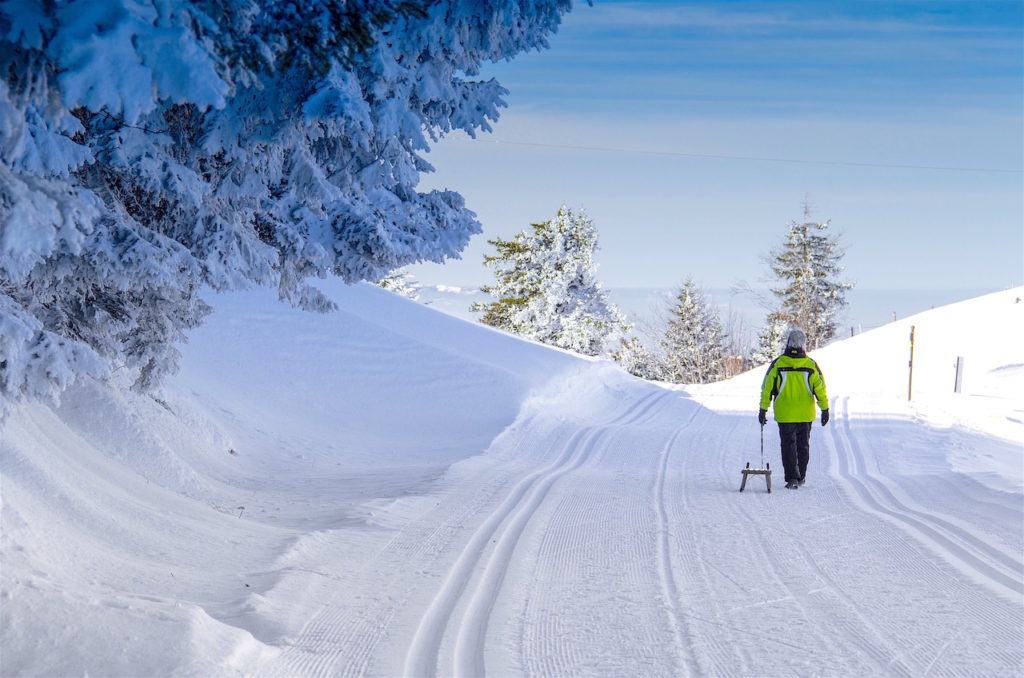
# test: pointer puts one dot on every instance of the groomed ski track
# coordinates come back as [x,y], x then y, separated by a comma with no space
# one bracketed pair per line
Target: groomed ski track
[617,543]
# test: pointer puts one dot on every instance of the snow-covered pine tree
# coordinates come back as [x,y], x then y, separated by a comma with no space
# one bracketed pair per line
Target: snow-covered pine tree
[546,287]
[771,342]
[636,359]
[807,268]
[149,148]
[402,283]
[693,345]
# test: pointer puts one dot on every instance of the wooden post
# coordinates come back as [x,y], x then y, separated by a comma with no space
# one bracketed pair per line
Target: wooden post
[910,383]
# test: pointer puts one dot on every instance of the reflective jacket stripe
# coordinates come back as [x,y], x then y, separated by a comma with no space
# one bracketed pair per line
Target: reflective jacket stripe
[794,404]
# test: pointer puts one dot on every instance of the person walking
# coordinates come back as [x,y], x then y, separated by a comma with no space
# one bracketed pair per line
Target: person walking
[794,382]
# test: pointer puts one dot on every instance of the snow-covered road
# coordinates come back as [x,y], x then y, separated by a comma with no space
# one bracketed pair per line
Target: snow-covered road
[556,518]
[622,546]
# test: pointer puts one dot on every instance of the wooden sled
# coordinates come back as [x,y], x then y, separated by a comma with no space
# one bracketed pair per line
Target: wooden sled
[766,472]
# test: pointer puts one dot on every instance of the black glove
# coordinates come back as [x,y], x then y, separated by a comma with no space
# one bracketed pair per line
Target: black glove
[762,416]
[824,417]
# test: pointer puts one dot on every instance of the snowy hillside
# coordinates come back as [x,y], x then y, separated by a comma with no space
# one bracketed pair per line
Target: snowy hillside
[387,490]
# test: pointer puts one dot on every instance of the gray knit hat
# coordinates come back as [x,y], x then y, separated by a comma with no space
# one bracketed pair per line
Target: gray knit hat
[797,338]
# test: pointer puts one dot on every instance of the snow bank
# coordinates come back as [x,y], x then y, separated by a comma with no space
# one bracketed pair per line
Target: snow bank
[988,333]
[141,534]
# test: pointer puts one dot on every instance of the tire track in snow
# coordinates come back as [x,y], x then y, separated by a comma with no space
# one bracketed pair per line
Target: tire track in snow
[472,630]
[716,654]
[787,566]
[593,602]
[998,571]
[996,625]
[666,572]
[710,632]
[556,635]
[854,622]
[871,639]
[510,518]
[342,637]
[790,566]
[846,623]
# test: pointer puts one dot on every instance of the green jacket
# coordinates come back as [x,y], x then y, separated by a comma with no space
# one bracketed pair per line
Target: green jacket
[793,381]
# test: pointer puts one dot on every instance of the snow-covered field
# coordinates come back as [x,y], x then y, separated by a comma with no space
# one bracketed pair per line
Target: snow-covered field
[388,490]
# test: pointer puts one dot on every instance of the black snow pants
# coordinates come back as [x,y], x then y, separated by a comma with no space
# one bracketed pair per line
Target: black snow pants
[796,448]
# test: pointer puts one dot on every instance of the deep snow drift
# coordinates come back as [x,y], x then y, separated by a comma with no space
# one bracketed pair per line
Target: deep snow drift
[387,490]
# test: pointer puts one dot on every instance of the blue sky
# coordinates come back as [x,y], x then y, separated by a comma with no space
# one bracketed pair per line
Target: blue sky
[692,132]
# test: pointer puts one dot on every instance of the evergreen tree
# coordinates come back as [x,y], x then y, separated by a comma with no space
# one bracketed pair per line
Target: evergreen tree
[546,287]
[807,270]
[636,359]
[401,283]
[149,148]
[693,342]
[771,343]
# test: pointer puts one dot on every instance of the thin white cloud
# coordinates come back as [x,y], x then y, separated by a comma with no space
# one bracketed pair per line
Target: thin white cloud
[782,18]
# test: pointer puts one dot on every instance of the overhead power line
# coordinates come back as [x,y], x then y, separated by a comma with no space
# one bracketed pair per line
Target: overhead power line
[720,156]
